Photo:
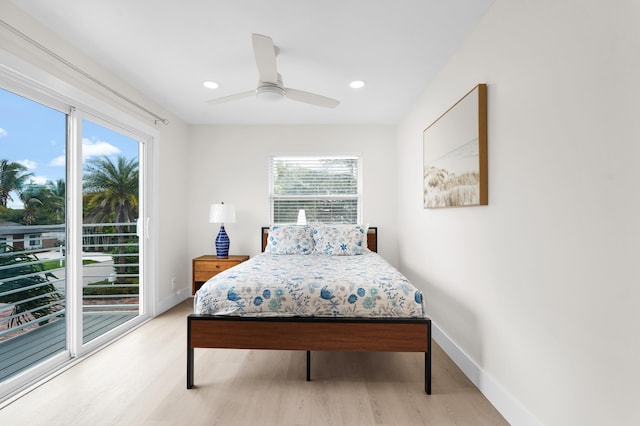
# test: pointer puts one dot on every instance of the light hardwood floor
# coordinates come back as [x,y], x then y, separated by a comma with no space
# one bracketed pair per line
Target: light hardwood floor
[141,380]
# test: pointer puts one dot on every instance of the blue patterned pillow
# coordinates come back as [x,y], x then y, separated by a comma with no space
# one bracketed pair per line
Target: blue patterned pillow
[340,240]
[289,239]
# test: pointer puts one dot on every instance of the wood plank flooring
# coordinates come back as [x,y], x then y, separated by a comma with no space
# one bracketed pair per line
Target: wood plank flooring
[141,380]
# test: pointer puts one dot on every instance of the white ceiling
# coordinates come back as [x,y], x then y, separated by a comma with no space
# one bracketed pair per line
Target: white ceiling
[167,48]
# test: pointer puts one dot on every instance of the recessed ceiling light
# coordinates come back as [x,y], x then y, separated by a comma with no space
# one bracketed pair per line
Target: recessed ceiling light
[210,84]
[356,84]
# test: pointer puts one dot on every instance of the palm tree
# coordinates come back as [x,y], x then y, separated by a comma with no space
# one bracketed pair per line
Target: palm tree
[112,194]
[32,197]
[56,196]
[12,178]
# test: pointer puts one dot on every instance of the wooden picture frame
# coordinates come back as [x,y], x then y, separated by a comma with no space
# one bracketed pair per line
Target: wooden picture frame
[455,154]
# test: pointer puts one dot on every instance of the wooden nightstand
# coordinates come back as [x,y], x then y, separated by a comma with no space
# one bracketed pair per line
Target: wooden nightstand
[205,267]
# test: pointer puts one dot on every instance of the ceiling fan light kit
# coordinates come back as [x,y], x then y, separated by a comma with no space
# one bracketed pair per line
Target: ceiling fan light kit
[270,87]
[210,84]
[269,93]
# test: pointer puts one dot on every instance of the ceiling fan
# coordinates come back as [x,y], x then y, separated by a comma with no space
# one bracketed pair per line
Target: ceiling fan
[270,85]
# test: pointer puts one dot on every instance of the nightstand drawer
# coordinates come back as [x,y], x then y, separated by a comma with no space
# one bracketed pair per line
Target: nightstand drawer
[207,266]
[205,275]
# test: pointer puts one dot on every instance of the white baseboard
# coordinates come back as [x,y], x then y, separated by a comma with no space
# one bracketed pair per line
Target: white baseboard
[171,301]
[510,408]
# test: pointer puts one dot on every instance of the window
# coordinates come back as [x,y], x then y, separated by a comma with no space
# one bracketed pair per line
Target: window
[75,270]
[33,282]
[327,187]
[33,241]
[6,241]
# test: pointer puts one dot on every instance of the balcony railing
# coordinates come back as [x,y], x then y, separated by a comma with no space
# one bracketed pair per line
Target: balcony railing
[33,273]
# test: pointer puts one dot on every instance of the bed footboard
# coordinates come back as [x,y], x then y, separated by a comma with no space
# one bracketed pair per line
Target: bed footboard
[309,334]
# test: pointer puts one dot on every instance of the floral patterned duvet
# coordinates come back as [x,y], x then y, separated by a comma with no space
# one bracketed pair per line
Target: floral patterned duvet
[317,285]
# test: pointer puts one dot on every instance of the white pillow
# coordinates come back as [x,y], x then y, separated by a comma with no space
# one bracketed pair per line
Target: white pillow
[340,240]
[289,239]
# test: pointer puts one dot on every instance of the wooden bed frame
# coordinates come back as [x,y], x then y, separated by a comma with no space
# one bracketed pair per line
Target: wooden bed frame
[311,334]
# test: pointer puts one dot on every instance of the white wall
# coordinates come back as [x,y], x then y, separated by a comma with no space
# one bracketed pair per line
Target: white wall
[173,207]
[540,290]
[231,164]
[168,215]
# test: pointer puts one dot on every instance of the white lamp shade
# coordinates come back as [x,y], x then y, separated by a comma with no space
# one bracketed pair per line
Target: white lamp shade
[222,213]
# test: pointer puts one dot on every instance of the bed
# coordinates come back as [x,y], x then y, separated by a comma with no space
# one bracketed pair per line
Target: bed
[282,300]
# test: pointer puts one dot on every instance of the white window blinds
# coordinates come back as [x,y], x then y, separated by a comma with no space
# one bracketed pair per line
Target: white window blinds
[326,187]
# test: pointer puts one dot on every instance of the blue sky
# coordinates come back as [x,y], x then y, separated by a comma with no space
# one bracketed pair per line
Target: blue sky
[35,136]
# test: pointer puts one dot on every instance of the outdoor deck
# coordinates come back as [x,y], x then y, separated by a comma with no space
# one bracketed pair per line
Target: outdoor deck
[22,351]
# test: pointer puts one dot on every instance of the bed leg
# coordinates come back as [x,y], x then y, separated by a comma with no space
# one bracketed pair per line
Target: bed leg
[427,362]
[427,372]
[308,366]
[190,354]
[189,368]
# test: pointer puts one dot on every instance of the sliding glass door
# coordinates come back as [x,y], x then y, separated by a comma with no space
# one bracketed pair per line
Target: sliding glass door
[72,234]
[110,242]
[33,229]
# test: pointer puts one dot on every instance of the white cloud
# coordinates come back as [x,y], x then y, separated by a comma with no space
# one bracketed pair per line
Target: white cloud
[38,180]
[3,133]
[96,148]
[16,204]
[58,161]
[29,164]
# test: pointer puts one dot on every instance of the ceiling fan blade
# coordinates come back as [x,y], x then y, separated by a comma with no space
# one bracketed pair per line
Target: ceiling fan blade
[265,54]
[310,98]
[231,97]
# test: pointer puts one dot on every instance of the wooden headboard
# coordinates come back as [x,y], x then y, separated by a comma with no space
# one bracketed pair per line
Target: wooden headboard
[372,238]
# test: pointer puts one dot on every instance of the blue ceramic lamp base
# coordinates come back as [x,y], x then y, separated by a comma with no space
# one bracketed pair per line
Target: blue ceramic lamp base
[222,243]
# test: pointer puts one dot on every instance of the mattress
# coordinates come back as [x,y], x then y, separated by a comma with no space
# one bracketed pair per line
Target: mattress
[311,285]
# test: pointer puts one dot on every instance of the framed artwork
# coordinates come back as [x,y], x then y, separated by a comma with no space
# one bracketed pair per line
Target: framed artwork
[455,154]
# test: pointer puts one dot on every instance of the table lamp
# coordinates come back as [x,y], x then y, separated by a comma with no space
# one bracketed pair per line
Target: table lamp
[222,213]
